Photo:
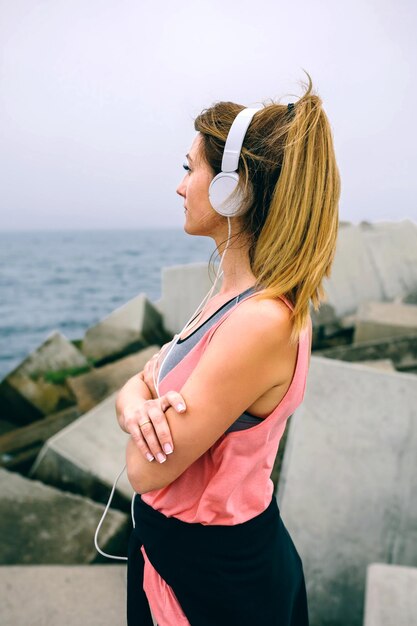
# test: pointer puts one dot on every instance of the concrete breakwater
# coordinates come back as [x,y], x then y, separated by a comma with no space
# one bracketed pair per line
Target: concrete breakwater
[345,470]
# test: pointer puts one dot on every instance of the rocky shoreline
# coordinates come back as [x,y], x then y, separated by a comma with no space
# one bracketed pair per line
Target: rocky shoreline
[61,448]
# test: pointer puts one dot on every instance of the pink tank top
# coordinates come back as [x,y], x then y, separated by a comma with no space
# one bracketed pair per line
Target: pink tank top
[230,483]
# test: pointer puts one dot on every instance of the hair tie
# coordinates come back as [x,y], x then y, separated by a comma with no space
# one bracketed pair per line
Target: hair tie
[290,110]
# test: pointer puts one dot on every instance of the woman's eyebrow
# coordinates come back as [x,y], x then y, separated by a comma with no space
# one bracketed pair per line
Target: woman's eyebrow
[189,158]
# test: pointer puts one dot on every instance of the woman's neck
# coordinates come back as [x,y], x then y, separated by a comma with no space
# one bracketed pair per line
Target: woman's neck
[237,273]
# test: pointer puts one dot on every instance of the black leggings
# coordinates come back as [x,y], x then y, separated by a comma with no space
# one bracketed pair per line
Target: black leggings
[239,575]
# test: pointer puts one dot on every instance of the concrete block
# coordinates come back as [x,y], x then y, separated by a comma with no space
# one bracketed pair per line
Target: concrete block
[352,278]
[183,288]
[402,352]
[55,354]
[40,524]
[129,328]
[392,252]
[93,387]
[382,364]
[86,457]
[348,481]
[57,595]
[19,447]
[158,305]
[373,261]
[6,427]
[410,297]
[391,595]
[24,393]
[378,320]
[348,321]
[325,316]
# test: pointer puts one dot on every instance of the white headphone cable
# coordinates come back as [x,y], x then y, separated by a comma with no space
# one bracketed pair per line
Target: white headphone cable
[207,297]
[111,556]
[156,385]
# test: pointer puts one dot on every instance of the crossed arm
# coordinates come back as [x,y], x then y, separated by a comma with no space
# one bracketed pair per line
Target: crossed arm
[238,365]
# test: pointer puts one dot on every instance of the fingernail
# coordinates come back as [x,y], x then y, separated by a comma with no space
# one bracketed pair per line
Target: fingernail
[161,458]
[180,407]
[167,448]
[149,456]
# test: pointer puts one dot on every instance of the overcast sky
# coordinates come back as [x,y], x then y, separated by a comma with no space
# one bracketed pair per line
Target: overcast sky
[97,100]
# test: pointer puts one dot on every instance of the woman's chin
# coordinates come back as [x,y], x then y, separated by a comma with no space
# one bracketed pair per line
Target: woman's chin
[190,229]
[198,227]
[187,225]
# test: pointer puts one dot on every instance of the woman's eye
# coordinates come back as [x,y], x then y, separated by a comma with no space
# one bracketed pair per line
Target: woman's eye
[185,166]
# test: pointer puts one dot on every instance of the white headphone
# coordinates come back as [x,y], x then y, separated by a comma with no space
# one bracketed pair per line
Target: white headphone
[225,183]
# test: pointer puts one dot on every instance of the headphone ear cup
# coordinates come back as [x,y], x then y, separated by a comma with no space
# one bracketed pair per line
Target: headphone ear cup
[221,187]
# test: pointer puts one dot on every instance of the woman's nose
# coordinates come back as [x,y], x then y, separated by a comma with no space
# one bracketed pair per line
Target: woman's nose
[181,188]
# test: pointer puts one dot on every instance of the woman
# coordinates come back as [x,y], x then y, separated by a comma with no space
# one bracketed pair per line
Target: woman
[209,546]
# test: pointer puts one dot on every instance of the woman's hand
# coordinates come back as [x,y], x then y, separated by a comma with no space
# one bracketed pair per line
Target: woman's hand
[147,375]
[146,422]
[148,370]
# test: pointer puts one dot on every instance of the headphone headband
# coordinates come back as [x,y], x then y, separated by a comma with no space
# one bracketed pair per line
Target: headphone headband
[235,138]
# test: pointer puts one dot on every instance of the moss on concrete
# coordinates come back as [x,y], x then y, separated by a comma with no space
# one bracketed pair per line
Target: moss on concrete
[58,377]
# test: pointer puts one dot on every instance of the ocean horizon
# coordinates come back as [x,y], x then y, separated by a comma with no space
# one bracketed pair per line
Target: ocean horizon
[67,280]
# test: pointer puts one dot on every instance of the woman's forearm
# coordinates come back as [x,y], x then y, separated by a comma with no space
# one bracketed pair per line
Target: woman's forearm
[136,467]
[133,391]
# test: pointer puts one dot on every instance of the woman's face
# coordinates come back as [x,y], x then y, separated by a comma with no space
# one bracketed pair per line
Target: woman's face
[200,217]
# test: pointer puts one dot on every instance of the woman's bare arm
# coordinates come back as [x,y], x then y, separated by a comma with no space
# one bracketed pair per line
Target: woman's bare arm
[229,377]
[154,440]
[133,393]
[138,388]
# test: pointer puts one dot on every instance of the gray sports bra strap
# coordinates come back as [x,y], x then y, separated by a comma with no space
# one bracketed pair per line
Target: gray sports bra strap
[185,345]
[244,421]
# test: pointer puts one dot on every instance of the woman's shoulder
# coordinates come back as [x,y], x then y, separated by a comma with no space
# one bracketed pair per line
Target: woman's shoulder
[267,308]
[268,318]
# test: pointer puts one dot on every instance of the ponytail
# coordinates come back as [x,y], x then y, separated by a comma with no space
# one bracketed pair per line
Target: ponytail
[291,185]
[296,247]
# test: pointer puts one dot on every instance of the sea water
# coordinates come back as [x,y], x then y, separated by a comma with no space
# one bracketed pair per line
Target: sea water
[69,280]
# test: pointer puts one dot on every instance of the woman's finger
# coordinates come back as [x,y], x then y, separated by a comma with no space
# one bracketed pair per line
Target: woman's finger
[174,399]
[148,372]
[160,424]
[149,364]
[159,438]
[155,431]
[136,434]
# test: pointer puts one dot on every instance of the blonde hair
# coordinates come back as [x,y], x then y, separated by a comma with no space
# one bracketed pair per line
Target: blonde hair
[290,185]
